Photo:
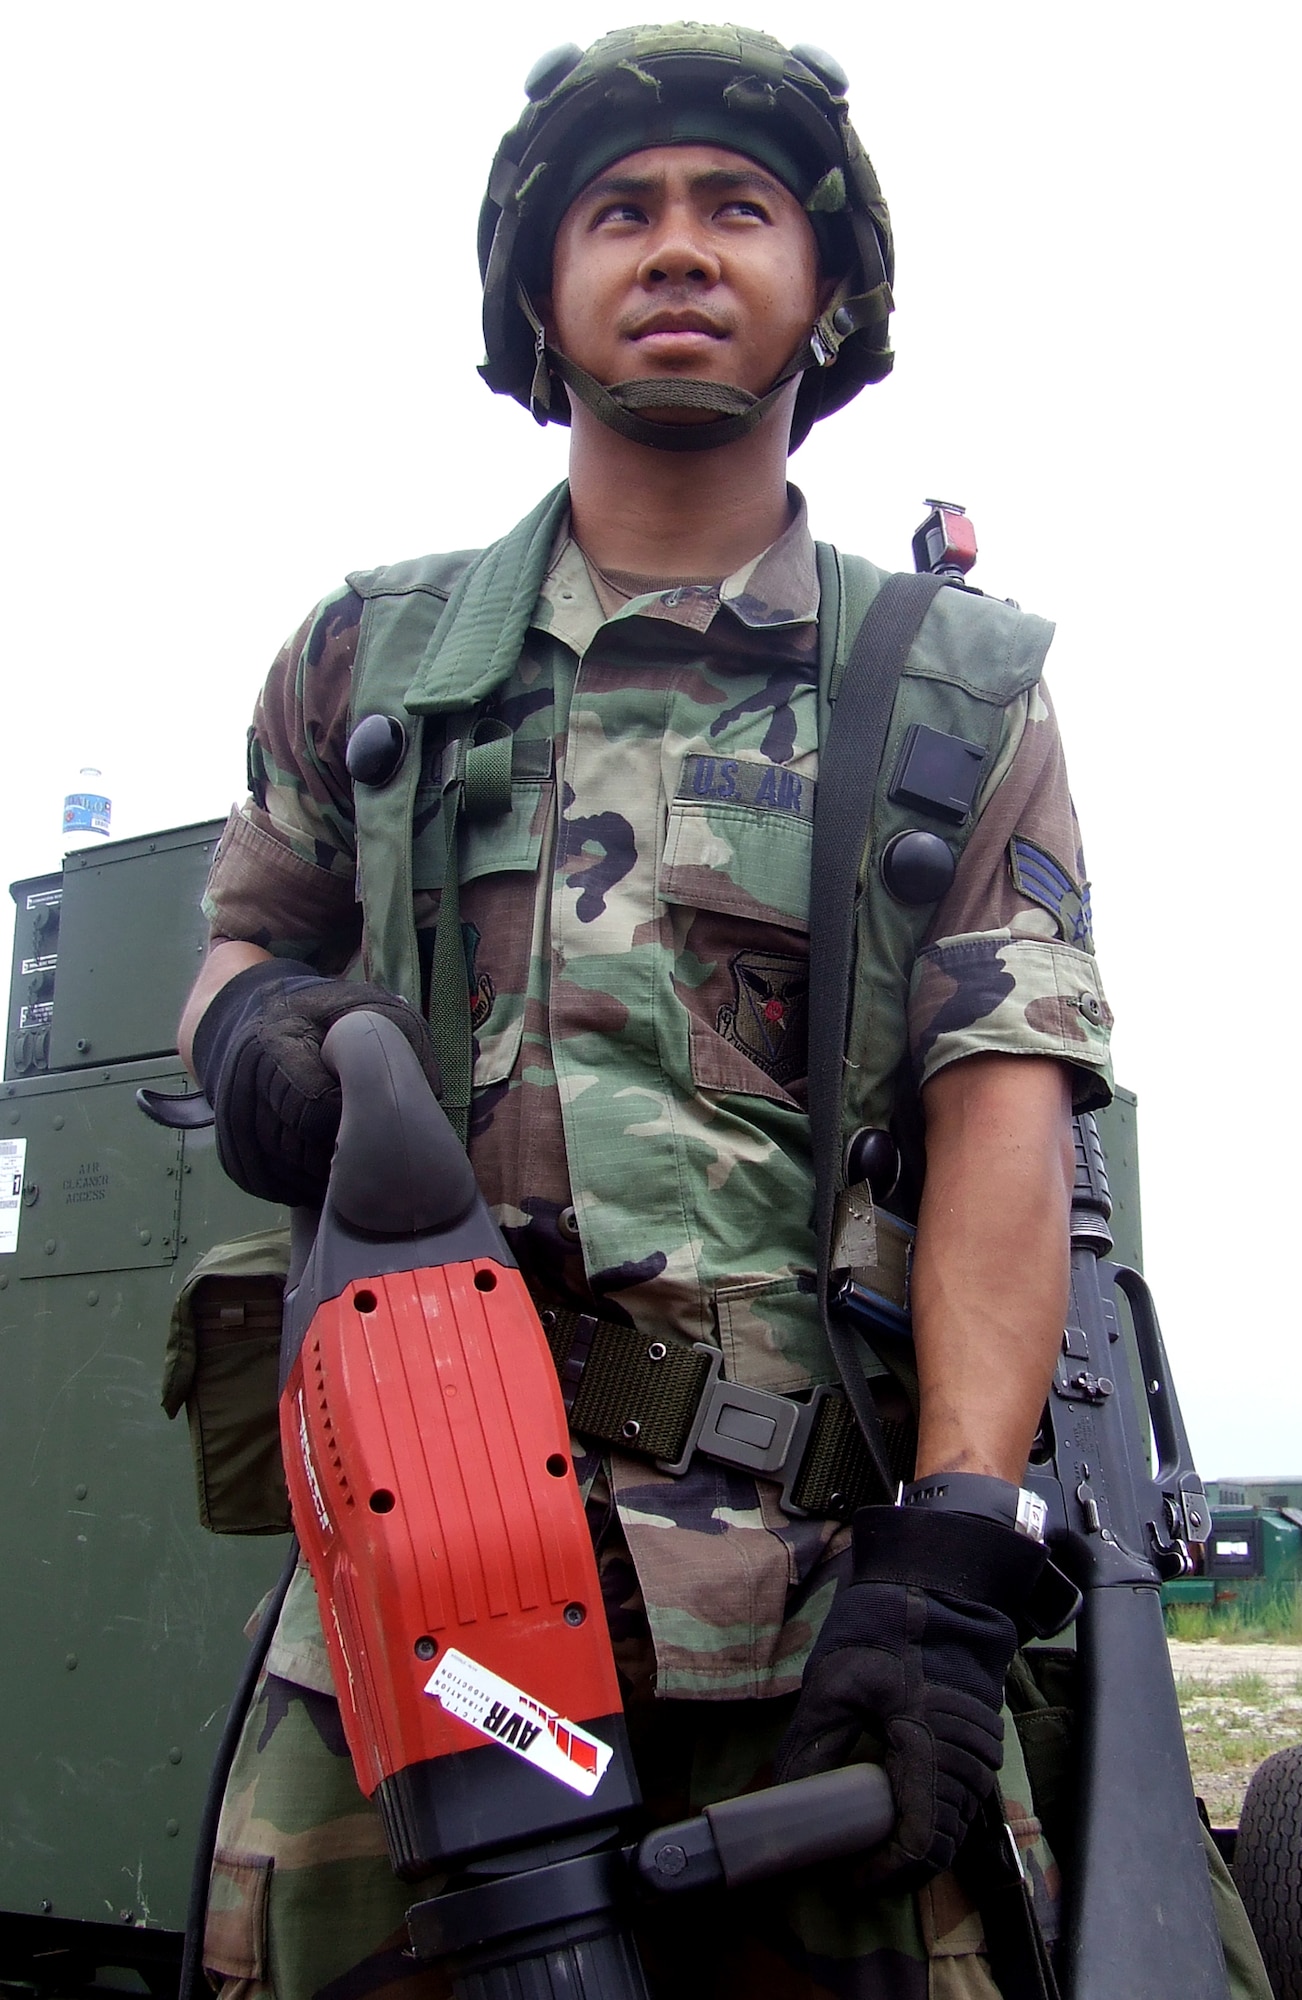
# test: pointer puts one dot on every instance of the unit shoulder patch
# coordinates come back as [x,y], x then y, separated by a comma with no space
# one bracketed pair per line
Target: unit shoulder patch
[483,990]
[1042,879]
[769,1018]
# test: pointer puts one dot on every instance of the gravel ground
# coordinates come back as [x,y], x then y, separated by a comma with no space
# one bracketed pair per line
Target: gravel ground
[1210,1660]
[1239,1703]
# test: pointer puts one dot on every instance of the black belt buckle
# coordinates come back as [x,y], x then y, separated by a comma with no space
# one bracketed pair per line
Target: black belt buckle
[751,1429]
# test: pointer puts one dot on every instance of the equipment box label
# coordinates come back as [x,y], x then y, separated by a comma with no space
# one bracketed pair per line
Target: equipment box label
[13,1153]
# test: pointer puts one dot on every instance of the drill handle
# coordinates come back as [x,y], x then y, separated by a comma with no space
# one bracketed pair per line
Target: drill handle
[399,1168]
[760,1834]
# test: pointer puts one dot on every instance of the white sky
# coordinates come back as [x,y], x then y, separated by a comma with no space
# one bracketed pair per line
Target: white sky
[239,346]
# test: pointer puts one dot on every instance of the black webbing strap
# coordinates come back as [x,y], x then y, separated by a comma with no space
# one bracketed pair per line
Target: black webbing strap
[992,1873]
[848,764]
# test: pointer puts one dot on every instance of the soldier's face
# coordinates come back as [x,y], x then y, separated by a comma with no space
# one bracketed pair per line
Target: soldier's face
[685,261]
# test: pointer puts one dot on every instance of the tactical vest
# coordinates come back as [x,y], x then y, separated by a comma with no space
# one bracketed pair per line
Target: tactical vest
[439,636]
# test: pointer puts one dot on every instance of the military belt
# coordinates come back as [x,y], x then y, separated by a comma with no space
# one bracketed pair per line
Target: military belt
[665,1400]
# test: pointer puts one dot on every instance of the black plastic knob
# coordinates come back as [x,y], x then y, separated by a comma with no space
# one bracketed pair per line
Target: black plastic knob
[917,867]
[375,750]
[825,67]
[873,1156]
[550,70]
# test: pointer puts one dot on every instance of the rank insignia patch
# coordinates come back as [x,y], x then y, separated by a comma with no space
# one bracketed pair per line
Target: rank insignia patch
[769,1022]
[1045,881]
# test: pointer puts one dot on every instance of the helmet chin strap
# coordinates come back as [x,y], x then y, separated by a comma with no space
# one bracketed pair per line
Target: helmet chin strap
[735,412]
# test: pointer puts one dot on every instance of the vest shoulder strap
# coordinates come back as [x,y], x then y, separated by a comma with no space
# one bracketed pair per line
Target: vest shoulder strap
[439,635]
[970,657]
[402,605]
[898,653]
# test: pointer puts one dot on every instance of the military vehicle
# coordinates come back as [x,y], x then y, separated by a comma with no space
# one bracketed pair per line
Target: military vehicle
[1251,1561]
[125,1627]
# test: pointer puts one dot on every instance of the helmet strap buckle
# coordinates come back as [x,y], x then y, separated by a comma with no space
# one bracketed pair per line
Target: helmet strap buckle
[540,389]
[822,349]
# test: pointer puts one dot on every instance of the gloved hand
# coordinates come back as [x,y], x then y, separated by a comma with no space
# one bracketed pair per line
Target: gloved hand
[915,1651]
[257,1053]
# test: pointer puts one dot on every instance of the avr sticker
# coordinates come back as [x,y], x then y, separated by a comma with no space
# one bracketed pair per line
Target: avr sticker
[13,1155]
[519,1723]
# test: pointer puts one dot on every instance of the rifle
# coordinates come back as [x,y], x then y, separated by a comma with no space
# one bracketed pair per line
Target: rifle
[1140,1910]
[1140,1920]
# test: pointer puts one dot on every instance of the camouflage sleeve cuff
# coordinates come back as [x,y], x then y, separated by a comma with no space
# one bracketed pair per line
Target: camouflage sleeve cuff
[995,993]
[260,890]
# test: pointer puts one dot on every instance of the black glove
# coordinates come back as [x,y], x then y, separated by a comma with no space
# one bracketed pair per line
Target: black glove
[257,1053]
[915,1650]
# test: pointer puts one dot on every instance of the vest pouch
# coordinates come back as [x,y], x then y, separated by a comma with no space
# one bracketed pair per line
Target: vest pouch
[222,1368]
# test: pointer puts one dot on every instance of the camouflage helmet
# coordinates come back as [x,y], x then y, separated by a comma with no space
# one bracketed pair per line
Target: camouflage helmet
[677,85]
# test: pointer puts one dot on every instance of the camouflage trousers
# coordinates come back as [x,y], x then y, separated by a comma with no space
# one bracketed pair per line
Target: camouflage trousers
[304,1906]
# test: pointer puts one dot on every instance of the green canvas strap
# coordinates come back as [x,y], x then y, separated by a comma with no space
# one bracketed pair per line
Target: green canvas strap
[665,1400]
[479,788]
[472,650]
[403,604]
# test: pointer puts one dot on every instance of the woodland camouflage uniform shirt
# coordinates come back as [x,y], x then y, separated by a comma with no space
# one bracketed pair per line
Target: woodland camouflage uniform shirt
[639,987]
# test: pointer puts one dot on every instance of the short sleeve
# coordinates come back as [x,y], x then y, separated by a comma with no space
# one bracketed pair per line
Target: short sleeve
[284,876]
[1008,962]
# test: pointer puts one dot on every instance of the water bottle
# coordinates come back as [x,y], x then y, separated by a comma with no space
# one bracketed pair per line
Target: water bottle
[87,808]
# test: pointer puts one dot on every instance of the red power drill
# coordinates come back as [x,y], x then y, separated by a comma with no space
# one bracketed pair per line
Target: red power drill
[434,1495]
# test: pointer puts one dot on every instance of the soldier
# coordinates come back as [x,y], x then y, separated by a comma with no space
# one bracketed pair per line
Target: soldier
[686,259]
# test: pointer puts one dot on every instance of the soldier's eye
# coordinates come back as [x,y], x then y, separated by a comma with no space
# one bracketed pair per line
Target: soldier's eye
[619,211]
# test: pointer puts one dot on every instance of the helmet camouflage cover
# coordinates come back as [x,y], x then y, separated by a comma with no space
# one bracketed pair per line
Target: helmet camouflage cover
[676,85]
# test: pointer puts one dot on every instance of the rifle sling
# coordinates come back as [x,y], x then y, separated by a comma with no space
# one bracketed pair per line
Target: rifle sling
[989,1868]
[849,761]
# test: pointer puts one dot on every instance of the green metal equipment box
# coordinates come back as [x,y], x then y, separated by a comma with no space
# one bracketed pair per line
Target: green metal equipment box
[124,1619]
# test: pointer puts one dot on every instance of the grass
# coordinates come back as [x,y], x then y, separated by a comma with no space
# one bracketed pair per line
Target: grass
[1265,1618]
[1230,1724]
